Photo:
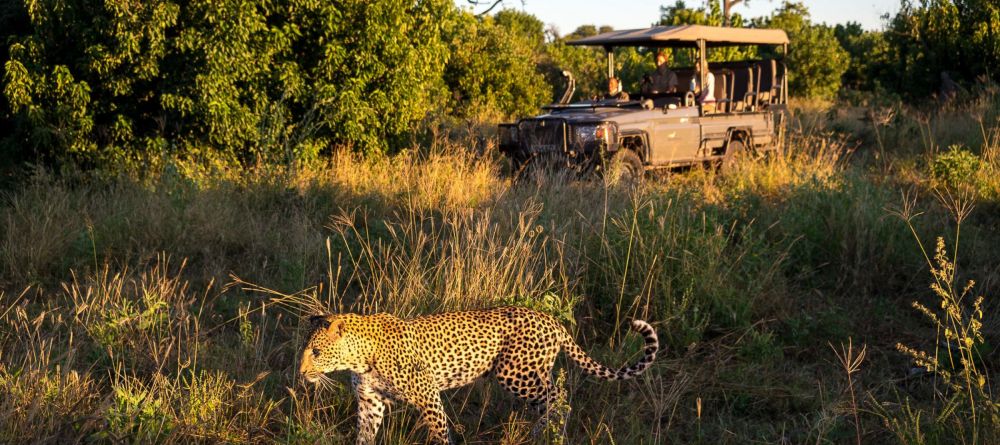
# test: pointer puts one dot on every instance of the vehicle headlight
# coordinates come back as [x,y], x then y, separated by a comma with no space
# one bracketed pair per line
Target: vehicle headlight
[585,133]
[602,132]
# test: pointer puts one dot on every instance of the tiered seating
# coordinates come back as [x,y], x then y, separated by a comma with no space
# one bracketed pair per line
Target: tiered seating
[739,86]
[771,79]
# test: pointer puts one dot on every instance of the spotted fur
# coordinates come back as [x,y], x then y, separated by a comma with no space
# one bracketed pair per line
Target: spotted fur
[414,360]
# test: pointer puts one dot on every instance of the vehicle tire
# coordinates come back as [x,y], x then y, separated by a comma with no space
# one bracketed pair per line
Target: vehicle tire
[735,154]
[511,168]
[771,155]
[625,167]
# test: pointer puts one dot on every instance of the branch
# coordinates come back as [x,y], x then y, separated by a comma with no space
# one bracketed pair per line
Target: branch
[475,3]
[727,5]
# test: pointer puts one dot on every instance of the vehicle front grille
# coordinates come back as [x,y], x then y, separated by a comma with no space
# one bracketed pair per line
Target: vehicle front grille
[542,135]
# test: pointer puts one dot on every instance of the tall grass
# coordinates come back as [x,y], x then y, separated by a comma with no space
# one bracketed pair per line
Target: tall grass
[170,309]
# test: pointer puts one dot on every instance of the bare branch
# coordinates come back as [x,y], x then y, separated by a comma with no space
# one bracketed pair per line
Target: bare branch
[480,3]
[727,6]
[492,4]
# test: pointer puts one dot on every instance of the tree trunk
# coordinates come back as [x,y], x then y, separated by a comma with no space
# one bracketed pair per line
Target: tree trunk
[727,5]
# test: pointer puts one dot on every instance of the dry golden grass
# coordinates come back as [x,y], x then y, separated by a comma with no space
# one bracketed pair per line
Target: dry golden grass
[170,309]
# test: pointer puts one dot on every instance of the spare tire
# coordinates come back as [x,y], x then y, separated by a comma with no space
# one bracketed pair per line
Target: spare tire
[735,154]
[625,167]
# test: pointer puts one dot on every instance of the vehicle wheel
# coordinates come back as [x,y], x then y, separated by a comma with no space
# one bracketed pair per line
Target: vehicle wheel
[735,154]
[543,167]
[511,168]
[625,167]
[770,156]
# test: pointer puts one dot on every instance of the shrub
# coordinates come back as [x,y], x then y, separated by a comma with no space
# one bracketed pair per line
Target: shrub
[122,85]
[816,61]
[493,67]
[956,168]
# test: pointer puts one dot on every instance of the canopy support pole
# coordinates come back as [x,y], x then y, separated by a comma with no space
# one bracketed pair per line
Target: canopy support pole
[784,74]
[611,62]
[702,63]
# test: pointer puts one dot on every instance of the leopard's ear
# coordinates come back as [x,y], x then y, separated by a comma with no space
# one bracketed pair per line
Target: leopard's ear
[320,321]
[335,329]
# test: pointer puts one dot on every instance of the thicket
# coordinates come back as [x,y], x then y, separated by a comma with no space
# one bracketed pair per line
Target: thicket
[930,49]
[120,86]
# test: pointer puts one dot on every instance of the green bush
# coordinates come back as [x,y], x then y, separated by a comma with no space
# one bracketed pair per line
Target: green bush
[493,68]
[932,37]
[123,84]
[956,168]
[816,61]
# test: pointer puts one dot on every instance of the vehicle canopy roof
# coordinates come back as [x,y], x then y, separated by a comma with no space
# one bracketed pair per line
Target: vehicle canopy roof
[686,36]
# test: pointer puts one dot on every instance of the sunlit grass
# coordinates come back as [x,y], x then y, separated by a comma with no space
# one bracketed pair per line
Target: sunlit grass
[170,309]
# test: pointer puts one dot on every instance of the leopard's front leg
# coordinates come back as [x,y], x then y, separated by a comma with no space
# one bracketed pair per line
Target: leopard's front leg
[371,409]
[419,389]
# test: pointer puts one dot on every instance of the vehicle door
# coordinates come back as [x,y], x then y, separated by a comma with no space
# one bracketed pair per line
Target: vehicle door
[676,136]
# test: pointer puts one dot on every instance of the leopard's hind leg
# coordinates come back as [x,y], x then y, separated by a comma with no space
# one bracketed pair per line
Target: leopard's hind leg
[525,370]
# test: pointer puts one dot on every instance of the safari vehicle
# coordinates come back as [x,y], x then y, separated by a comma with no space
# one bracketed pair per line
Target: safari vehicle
[662,129]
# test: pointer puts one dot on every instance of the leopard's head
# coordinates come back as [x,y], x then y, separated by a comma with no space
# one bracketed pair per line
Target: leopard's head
[331,347]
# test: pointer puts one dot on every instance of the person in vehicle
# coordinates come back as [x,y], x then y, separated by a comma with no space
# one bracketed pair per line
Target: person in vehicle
[704,95]
[663,80]
[615,90]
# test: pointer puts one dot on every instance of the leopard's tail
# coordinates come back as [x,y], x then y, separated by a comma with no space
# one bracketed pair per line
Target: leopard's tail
[592,367]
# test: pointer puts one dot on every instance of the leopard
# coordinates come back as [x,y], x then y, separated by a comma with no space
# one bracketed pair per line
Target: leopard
[413,360]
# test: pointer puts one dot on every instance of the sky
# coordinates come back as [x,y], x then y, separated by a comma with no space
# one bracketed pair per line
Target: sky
[567,15]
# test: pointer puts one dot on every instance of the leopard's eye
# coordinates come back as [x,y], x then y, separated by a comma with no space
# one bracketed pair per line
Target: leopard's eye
[315,352]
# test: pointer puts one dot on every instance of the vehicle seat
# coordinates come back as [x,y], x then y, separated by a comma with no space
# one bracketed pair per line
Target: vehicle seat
[684,80]
[723,89]
[765,81]
[742,88]
[776,91]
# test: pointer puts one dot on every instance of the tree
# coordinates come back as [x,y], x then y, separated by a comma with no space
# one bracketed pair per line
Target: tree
[680,14]
[869,56]
[932,37]
[816,61]
[494,65]
[727,7]
[523,26]
[122,83]
[582,31]
[82,80]
[586,63]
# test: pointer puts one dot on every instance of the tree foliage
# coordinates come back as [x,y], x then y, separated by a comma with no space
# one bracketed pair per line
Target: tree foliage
[816,61]
[587,64]
[711,15]
[118,82]
[931,37]
[494,65]
[125,85]
[869,56]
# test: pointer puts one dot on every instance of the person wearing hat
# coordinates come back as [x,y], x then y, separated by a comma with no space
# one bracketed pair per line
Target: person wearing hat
[663,80]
